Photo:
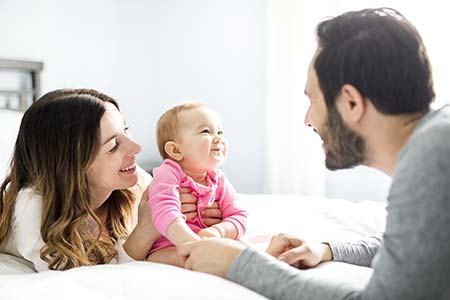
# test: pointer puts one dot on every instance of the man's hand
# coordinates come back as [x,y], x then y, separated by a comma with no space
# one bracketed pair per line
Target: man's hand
[297,252]
[213,255]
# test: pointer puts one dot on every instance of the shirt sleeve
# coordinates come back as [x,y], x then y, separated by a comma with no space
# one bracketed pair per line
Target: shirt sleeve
[26,229]
[229,205]
[359,253]
[121,257]
[273,279]
[164,197]
[27,236]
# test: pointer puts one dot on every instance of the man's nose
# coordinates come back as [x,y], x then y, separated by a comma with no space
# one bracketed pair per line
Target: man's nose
[307,119]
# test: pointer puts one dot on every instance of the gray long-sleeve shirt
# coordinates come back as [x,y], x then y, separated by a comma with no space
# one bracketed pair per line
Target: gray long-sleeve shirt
[413,261]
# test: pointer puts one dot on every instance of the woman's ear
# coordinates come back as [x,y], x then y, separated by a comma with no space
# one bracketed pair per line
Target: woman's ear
[173,150]
[350,104]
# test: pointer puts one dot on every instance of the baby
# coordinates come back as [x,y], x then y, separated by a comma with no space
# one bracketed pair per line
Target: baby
[192,143]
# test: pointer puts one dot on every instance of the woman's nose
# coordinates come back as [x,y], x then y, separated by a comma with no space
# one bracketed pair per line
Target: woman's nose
[135,148]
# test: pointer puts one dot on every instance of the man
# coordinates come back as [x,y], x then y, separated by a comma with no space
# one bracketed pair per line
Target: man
[370,89]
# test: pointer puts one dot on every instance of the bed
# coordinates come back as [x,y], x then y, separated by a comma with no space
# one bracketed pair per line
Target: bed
[308,217]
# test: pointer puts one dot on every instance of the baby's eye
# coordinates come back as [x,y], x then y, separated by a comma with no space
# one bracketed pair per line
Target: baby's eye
[205,131]
[220,132]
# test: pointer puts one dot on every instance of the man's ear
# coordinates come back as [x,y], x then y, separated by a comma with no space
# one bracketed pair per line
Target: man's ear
[173,150]
[350,104]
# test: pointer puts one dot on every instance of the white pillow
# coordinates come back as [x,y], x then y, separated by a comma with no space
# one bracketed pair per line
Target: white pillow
[9,127]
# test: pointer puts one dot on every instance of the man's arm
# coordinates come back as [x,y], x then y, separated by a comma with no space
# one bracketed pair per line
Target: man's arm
[359,253]
[275,280]
[261,272]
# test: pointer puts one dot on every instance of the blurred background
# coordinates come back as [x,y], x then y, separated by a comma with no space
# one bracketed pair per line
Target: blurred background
[245,58]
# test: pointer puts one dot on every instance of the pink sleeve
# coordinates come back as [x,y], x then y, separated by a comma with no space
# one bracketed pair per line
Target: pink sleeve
[164,197]
[229,204]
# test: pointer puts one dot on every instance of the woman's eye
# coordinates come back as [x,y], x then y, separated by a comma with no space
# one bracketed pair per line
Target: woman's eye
[113,149]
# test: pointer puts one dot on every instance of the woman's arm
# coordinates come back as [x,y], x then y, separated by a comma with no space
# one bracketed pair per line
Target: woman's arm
[144,234]
[138,190]
[25,238]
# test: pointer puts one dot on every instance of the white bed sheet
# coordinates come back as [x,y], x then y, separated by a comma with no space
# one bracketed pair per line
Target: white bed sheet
[308,217]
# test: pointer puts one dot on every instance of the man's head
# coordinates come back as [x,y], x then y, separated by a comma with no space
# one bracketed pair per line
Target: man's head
[343,147]
[376,55]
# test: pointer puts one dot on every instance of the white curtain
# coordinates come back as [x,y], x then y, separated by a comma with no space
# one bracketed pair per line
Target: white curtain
[295,156]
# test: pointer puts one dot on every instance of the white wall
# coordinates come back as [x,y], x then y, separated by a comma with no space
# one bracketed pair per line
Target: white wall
[212,51]
[75,41]
[151,55]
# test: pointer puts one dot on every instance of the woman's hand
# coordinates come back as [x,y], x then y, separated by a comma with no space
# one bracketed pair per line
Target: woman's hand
[188,203]
[297,252]
[145,221]
[144,234]
[210,215]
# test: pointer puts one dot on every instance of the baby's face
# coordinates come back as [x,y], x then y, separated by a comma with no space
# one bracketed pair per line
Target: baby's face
[201,139]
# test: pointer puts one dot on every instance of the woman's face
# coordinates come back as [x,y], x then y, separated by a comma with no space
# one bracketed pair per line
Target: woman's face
[114,167]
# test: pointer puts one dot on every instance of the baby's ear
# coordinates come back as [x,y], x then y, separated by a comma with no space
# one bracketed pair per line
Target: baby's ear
[173,150]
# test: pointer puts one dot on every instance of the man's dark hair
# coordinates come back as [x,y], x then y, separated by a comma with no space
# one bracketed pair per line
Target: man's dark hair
[379,52]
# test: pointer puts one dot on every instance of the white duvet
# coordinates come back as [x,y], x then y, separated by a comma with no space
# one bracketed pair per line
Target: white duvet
[312,218]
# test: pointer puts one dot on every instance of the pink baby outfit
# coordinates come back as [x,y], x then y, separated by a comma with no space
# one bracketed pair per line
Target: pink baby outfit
[164,200]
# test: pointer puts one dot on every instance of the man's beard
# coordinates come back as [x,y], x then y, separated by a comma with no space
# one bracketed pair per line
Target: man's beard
[344,148]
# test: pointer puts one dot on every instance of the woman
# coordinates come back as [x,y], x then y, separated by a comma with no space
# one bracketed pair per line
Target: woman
[71,197]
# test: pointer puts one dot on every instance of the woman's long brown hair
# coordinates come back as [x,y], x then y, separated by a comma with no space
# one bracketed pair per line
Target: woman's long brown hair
[59,138]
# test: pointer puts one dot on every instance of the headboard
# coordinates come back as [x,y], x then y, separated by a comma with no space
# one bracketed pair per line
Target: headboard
[20,83]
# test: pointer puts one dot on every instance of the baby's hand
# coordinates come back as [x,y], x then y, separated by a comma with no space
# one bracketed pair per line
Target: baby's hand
[209,232]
